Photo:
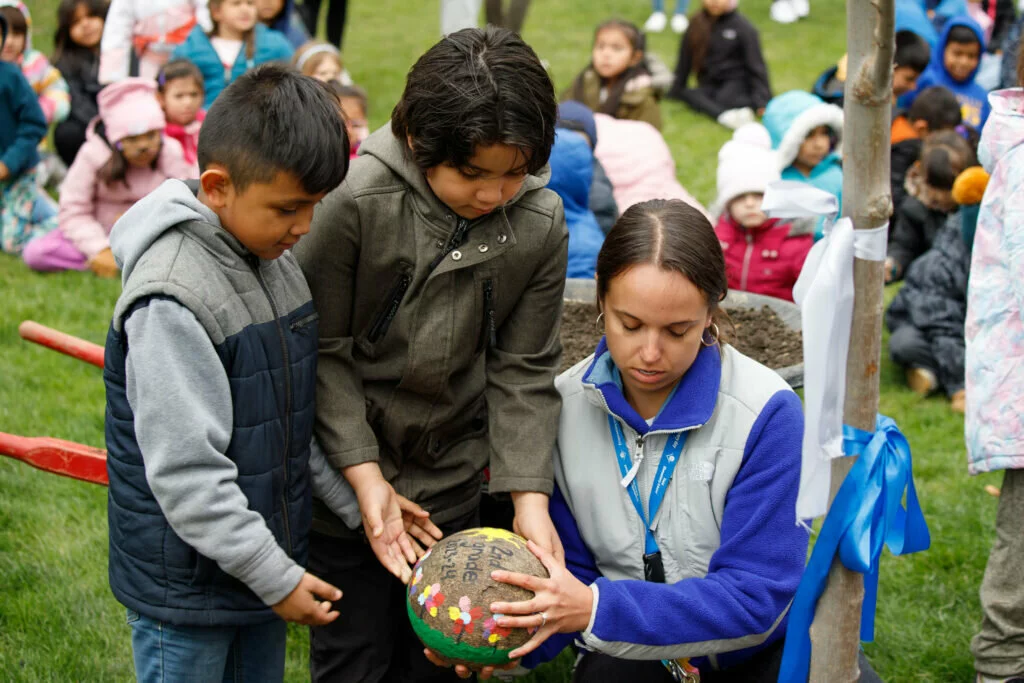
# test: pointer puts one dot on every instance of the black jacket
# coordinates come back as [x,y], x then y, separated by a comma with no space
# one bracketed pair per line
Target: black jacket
[734,53]
[1005,16]
[83,84]
[913,232]
[902,157]
[934,300]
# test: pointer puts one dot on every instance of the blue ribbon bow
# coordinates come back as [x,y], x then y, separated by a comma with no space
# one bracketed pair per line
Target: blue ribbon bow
[866,513]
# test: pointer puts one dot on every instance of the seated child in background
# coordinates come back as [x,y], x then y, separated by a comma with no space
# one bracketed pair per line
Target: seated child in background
[179,90]
[322,61]
[140,35]
[909,60]
[49,86]
[124,158]
[572,169]
[929,200]
[25,212]
[281,16]
[575,116]
[617,81]
[237,43]
[995,17]
[211,468]
[638,162]
[954,63]
[76,54]
[355,106]
[927,316]
[807,135]
[761,254]
[723,50]
[933,110]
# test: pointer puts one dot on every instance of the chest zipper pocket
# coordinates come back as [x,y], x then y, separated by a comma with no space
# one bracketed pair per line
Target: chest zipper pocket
[304,321]
[382,321]
[488,329]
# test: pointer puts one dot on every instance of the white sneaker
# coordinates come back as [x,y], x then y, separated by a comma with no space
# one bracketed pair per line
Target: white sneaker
[801,7]
[782,12]
[734,118]
[680,23]
[656,22]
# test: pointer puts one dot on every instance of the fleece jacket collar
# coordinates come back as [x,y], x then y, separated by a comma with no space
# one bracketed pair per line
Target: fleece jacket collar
[690,405]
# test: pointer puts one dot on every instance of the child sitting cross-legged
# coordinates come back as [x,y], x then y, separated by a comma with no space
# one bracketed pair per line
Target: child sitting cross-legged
[761,254]
[124,158]
[617,81]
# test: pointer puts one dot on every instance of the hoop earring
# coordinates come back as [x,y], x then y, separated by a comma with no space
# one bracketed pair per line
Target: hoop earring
[714,335]
[600,317]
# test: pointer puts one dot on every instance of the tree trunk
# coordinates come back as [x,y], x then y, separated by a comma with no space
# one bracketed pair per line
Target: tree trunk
[835,633]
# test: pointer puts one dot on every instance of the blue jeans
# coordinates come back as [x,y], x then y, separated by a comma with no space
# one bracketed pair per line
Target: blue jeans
[165,653]
[681,6]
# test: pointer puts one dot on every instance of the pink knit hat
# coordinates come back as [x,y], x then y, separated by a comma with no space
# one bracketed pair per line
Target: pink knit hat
[129,107]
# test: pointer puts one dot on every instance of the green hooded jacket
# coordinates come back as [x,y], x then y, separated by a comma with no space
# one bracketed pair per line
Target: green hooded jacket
[437,354]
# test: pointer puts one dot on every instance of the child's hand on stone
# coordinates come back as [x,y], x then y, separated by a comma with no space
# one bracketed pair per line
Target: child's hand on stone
[418,526]
[382,519]
[302,605]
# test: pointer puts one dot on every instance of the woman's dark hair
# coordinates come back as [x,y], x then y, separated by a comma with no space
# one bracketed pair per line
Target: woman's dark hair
[1020,68]
[944,155]
[672,235]
[66,52]
[179,68]
[636,38]
[250,35]
[116,168]
[476,88]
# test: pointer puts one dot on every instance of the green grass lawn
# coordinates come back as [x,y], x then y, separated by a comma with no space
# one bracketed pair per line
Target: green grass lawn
[58,621]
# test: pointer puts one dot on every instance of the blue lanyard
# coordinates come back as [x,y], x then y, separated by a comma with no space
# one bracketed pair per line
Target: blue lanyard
[669,458]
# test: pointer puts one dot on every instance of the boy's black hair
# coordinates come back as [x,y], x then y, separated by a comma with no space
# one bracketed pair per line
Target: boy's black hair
[911,51]
[964,35]
[179,68]
[938,107]
[68,55]
[273,119]
[3,32]
[16,23]
[944,156]
[476,88]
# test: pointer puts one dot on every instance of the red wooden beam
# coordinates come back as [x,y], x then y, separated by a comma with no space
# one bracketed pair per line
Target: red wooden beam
[60,341]
[66,458]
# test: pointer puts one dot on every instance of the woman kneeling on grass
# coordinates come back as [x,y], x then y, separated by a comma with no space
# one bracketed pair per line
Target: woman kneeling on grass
[707,443]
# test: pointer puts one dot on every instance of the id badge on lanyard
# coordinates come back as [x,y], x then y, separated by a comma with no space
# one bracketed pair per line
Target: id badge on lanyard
[654,566]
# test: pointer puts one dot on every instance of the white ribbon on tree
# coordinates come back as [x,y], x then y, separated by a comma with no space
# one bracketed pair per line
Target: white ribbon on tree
[824,292]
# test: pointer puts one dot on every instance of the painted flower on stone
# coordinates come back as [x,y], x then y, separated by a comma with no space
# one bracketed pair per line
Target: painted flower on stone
[464,615]
[416,578]
[494,633]
[430,599]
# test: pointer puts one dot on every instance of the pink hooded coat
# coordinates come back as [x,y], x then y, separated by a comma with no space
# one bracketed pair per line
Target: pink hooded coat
[89,207]
[639,163]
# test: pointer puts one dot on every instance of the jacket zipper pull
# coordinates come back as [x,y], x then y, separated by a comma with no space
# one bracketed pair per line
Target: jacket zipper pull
[631,474]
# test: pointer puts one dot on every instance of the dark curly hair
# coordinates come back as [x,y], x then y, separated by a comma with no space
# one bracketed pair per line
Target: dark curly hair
[476,88]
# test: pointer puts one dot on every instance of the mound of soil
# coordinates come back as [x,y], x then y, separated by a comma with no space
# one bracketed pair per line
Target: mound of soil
[758,333]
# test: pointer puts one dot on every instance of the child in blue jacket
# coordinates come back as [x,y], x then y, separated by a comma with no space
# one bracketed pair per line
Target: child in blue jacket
[25,213]
[572,171]
[807,135]
[953,65]
[237,43]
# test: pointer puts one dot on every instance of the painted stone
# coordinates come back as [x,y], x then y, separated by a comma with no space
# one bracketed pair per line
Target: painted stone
[451,592]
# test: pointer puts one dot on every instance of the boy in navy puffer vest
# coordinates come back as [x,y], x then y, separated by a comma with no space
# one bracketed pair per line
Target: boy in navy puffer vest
[210,375]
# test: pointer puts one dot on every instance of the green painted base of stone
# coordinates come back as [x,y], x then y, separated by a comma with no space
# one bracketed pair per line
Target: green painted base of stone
[459,653]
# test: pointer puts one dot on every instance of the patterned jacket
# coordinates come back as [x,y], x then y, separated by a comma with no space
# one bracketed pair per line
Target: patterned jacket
[995,297]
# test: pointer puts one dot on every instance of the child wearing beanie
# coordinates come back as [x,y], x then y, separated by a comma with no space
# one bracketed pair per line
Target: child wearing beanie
[761,254]
[124,158]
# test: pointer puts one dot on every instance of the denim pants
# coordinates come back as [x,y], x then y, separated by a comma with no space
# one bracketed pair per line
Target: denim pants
[198,654]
